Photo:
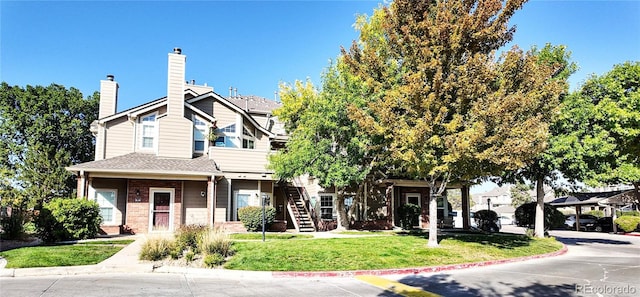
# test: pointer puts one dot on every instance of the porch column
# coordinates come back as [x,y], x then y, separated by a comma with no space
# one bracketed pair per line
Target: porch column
[210,197]
[229,211]
[578,213]
[614,216]
[389,202]
[466,210]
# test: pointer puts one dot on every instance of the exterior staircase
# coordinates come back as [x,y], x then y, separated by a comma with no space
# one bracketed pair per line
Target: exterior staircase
[298,210]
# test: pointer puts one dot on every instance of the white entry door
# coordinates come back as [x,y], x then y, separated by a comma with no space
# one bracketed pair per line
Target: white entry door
[414,198]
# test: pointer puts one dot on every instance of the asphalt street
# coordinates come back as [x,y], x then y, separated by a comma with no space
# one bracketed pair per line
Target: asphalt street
[596,264]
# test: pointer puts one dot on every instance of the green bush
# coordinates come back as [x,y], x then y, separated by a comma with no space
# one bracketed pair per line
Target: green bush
[408,214]
[213,260]
[628,213]
[187,236]
[628,223]
[13,225]
[486,220]
[156,249]
[68,219]
[215,241]
[189,256]
[251,217]
[526,216]
[597,213]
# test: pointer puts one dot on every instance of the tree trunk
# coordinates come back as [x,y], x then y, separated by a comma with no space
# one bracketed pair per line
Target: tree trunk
[433,216]
[539,222]
[343,219]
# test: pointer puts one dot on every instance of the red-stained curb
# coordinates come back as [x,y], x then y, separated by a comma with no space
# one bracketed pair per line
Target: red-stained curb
[415,270]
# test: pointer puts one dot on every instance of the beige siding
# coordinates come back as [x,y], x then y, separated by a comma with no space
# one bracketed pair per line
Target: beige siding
[240,160]
[120,185]
[195,206]
[175,137]
[244,185]
[262,141]
[224,115]
[119,134]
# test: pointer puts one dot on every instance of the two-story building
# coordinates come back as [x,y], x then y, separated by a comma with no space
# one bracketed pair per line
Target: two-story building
[196,157]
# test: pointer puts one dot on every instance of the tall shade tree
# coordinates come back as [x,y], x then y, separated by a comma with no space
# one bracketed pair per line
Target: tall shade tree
[43,130]
[324,142]
[445,106]
[609,107]
[559,154]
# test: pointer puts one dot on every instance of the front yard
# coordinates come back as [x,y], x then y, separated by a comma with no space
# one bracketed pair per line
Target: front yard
[382,252]
[86,253]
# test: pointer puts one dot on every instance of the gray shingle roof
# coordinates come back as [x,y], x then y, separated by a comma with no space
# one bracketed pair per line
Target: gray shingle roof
[149,163]
[253,103]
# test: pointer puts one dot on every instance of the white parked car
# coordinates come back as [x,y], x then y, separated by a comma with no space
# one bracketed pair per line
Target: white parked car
[504,220]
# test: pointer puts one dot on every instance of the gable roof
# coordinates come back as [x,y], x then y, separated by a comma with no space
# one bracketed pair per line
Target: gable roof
[150,164]
[234,107]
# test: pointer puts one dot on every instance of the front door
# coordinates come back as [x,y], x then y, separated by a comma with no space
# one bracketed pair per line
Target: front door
[160,212]
[414,198]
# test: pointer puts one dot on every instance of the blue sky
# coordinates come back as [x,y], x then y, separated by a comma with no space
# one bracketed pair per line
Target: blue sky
[252,45]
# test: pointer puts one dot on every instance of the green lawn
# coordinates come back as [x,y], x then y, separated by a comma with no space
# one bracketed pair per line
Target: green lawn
[382,252]
[268,236]
[88,253]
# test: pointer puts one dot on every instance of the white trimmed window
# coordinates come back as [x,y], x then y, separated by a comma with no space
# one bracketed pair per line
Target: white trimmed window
[199,135]
[326,207]
[148,132]
[106,199]
[226,136]
[248,139]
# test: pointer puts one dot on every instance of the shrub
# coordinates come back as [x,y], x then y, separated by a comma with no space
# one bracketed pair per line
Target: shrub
[156,249]
[189,256]
[628,223]
[213,260]
[486,220]
[251,217]
[408,214]
[13,225]
[187,236]
[597,213]
[526,216]
[215,241]
[68,219]
[628,213]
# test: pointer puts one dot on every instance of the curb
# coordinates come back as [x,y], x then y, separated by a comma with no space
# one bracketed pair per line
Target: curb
[240,274]
[75,270]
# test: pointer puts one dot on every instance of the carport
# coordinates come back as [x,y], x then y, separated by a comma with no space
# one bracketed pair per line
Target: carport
[611,200]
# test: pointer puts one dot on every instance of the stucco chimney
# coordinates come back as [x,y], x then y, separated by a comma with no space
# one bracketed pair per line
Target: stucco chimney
[108,97]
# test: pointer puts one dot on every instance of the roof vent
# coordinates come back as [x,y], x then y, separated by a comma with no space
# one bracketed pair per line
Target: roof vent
[110,77]
[177,50]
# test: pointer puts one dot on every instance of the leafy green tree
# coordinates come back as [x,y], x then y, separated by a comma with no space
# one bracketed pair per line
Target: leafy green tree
[610,105]
[520,194]
[558,154]
[324,142]
[444,107]
[44,129]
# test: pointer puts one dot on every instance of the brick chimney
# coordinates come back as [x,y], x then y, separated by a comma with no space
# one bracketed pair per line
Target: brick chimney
[108,97]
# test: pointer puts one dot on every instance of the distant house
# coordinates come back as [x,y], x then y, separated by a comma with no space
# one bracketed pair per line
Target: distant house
[196,157]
